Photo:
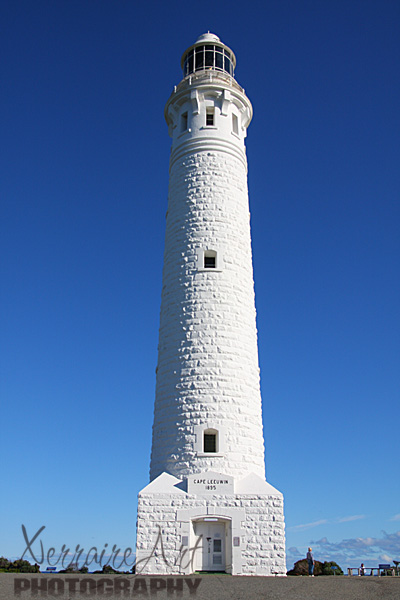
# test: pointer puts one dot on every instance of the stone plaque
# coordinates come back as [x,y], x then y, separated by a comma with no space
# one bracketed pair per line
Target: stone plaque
[210,482]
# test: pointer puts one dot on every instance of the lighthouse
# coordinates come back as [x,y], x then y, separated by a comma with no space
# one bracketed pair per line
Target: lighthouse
[208,506]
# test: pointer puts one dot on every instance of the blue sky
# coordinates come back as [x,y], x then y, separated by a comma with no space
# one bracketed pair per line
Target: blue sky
[83,192]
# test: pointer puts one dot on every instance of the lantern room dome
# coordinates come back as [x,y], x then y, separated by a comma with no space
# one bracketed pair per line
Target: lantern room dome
[208,53]
[208,37]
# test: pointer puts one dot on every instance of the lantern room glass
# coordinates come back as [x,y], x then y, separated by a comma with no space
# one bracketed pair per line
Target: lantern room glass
[207,56]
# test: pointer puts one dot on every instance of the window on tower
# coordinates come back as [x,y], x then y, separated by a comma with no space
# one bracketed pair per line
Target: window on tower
[210,259]
[210,440]
[235,124]
[184,121]
[210,117]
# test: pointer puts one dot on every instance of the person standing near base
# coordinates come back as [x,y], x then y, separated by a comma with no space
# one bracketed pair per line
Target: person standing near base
[311,562]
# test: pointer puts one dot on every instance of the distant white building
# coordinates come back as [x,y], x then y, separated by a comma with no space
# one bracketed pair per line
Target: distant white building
[208,506]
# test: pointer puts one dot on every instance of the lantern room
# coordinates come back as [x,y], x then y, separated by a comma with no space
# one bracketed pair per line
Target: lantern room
[208,53]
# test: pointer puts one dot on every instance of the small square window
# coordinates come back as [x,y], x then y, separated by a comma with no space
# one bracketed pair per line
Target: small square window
[209,262]
[210,117]
[210,259]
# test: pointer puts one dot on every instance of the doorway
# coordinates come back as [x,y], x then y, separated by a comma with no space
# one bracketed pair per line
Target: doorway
[211,550]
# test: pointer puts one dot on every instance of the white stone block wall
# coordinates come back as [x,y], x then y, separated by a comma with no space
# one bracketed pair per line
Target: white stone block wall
[208,358]
[262,535]
[264,527]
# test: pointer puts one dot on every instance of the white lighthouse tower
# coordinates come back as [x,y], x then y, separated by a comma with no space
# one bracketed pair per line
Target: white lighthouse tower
[208,506]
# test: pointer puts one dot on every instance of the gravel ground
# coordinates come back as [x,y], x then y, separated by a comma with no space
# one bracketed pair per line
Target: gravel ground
[201,587]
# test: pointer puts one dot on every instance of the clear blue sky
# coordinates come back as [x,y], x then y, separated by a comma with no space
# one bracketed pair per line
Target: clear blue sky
[83,190]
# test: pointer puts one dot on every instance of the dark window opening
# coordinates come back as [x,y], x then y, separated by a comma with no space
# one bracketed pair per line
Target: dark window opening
[210,442]
[184,121]
[190,63]
[209,58]
[210,259]
[228,65]
[199,59]
[210,117]
[209,262]
[235,124]
[219,61]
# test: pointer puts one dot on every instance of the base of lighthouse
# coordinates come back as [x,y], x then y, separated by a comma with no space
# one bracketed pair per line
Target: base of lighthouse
[210,523]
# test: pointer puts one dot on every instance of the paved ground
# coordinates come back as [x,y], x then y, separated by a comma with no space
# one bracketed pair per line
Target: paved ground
[204,587]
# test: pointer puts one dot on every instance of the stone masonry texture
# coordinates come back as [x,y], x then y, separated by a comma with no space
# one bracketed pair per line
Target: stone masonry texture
[208,361]
[159,532]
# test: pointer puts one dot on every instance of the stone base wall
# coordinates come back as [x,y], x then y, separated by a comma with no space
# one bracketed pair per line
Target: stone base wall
[165,544]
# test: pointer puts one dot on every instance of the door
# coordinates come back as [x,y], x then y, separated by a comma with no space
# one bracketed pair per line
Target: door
[211,545]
